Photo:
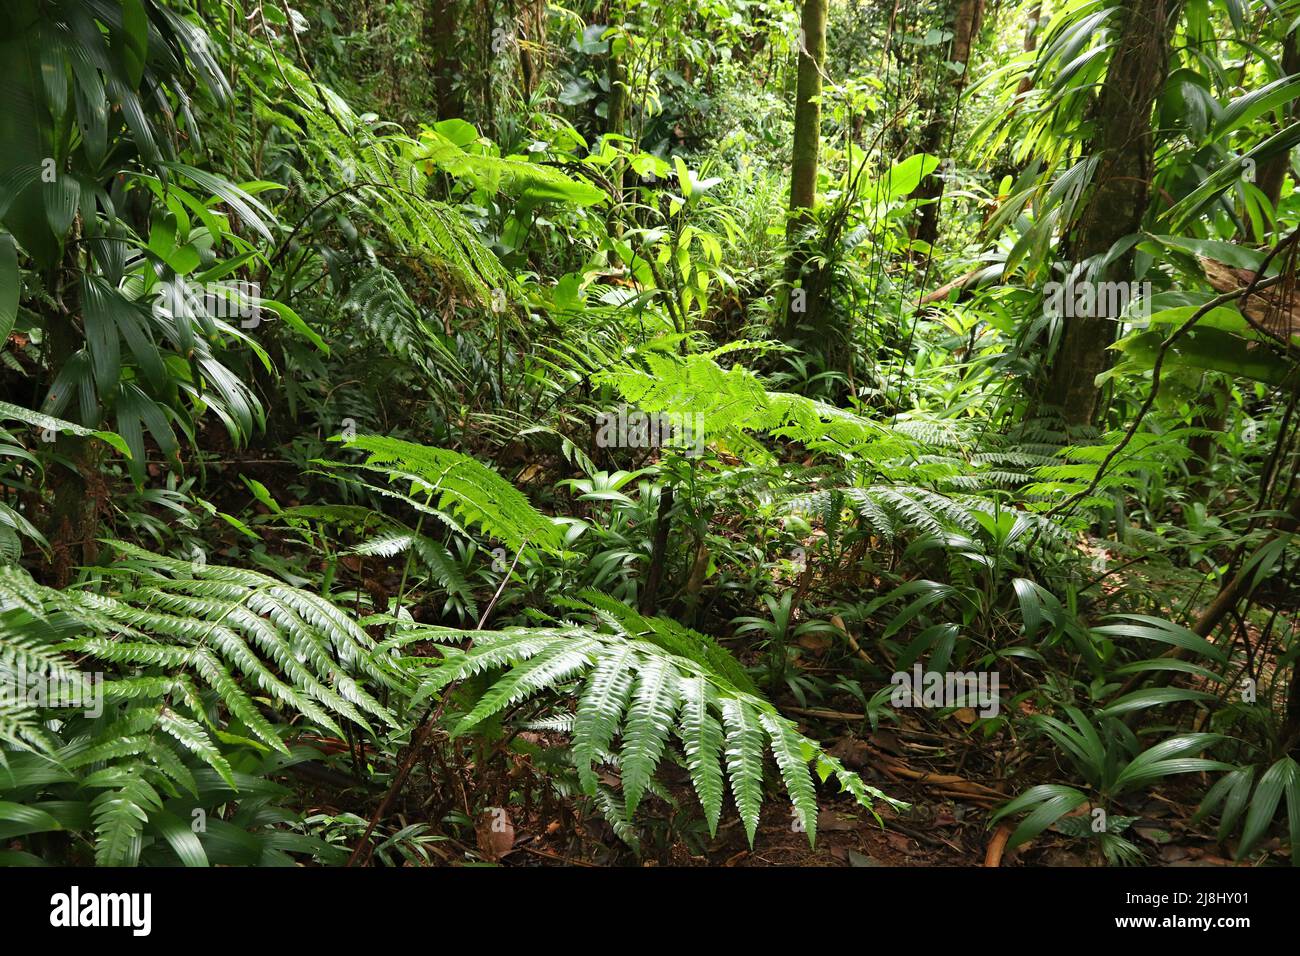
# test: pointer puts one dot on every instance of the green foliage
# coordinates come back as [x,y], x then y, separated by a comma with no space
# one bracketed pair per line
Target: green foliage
[1111,760]
[207,665]
[644,694]
[466,492]
[229,232]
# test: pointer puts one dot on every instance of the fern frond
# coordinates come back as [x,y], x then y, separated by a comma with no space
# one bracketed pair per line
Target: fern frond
[649,719]
[469,490]
[600,711]
[120,814]
[643,694]
[792,752]
[745,745]
[554,664]
[701,737]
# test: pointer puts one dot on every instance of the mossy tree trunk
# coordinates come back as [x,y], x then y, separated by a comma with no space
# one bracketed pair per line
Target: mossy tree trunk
[1118,200]
[803,164]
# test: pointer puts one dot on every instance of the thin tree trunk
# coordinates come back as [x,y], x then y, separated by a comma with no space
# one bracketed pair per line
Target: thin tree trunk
[807,140]
[616,74]
[1030,45]
[616,125]
[79,489]
[965,20]
[492,45]
[1118,202]
[532,46]
[648,602]
[807,106]
[1272,171]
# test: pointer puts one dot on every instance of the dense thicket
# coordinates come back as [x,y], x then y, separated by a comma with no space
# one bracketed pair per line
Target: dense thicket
[439,430]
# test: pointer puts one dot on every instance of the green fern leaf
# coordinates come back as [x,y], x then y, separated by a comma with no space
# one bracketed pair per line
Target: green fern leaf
[701,737]
[600,709]
[745,745]
[649,720]
[792,752]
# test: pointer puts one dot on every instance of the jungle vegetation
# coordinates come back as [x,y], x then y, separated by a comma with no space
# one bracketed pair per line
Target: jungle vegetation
[698,432]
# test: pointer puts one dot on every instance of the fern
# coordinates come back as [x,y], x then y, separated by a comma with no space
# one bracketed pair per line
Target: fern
[464,489]
[645,695]
[381,183]
[702,740]
[668,634]
[526,181]
[645,731]
[206,659]
[380,308]
[433,555]
[603,701]
[732,402]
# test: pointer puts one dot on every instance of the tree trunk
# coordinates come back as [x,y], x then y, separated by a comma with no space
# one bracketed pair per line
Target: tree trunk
[1118,202]
[495,39]
[79,488]
[532,46]
[616,74]
[807,139]
[807,108]
[616,125]
[1272,171]
[1030,45]
[965,16]
[439,36]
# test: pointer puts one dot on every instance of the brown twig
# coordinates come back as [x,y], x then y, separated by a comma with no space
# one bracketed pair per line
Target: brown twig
[993,856]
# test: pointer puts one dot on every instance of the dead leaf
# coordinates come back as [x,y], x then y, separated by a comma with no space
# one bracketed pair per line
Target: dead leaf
[817,644]
[1172,854]
[829,821]
[495,832]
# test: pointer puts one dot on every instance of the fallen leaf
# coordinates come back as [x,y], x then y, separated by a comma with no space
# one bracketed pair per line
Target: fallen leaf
[1172,854]
[815,643]
[495,832]
[830,821]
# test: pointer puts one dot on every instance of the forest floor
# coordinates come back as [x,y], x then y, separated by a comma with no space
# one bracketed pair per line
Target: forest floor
[950,777]
[933,831]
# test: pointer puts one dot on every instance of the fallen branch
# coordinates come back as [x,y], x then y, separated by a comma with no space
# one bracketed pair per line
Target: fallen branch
[993,856]
[941,293]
